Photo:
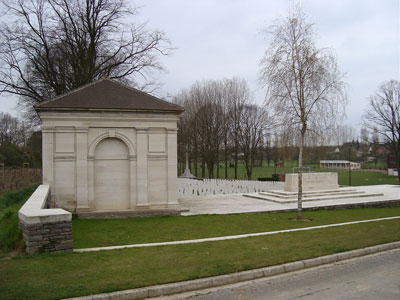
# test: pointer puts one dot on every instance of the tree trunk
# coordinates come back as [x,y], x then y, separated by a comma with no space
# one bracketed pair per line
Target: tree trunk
[226,156]
[210,168]
[300,178]
[236,164]
[195,159]
[249,169]
[203,168]
[236,155]
[398,163]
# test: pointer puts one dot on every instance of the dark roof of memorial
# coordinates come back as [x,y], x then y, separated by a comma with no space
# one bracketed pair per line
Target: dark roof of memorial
[107,94]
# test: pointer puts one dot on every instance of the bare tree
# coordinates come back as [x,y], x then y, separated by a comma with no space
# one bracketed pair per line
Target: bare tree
[344,133]
[237,97]
[383,116]
[209,122]
[12,131]
[304,84]
[201,126]
[48,47]
[250,135]
[210,125]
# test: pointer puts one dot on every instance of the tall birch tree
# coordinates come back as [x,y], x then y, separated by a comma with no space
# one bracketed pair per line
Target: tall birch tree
[304,85]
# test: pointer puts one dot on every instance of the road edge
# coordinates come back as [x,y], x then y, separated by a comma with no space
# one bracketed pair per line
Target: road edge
[220,280]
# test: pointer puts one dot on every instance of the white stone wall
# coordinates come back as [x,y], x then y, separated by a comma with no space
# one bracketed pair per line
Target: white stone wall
[193,187]
[312,181]
[96,161]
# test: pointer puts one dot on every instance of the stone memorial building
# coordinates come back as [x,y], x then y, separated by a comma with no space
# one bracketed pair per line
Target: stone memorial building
[108,147]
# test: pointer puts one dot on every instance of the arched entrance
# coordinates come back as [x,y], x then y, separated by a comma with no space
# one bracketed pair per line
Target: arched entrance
[111,175]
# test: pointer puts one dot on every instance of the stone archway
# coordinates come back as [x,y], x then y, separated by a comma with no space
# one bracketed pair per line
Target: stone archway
[111,175]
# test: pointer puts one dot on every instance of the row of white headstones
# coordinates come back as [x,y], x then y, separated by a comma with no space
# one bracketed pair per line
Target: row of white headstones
[193,187]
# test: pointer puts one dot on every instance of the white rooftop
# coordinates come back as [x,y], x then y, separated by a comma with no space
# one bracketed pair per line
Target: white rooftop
[334,162]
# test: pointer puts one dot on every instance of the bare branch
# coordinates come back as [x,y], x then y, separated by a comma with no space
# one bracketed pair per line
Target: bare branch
[54,46]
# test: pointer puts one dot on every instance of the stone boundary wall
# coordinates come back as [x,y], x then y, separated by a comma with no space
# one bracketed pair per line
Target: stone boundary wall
[45,230]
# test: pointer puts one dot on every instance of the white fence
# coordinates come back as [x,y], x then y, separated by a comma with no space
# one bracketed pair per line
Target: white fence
[193,187]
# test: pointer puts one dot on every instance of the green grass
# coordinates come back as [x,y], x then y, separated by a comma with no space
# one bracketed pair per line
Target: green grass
[10,234]
[55,276]
[112,232]
[358,178]
[380,165]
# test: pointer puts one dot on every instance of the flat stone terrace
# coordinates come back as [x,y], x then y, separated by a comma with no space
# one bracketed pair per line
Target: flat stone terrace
[376,196]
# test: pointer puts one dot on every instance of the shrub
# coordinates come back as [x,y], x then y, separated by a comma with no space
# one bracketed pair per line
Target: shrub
[12,198]
[10,234]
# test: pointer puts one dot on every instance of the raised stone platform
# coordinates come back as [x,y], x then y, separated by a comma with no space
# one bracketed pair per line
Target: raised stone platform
[281,196]
[389,196]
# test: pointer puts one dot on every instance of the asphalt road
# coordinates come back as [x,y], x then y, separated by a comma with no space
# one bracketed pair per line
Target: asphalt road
[370,277]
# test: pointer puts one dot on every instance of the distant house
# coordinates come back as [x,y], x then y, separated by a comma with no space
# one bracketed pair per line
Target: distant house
[339,164]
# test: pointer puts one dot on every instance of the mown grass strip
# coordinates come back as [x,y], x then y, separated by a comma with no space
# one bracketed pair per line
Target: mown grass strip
[55,276]
[114,232]
[230,237]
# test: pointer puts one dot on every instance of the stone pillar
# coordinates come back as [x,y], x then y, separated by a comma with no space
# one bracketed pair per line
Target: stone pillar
[132,180]
[187,173]
[48,157]
[141,167]
[172,172]
[82,199]
[92,204]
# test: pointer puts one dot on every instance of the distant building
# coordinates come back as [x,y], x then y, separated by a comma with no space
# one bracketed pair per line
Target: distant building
[339,164]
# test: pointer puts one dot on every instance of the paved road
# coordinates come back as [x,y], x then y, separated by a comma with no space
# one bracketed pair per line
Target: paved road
[371,277]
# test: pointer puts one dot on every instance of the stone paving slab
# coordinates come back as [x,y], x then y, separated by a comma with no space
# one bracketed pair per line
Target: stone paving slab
[237,203]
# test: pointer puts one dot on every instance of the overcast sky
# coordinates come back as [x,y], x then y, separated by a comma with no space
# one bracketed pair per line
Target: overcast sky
[221,38]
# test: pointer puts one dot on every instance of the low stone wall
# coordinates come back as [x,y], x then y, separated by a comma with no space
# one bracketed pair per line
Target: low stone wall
[45,230]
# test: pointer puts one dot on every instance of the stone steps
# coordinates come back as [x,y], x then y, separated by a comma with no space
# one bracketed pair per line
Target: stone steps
[290,197]
[121,214]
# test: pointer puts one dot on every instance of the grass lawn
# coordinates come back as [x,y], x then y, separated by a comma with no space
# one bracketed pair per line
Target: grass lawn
[55,276]
[366,178]
[112,232]
[357,177]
